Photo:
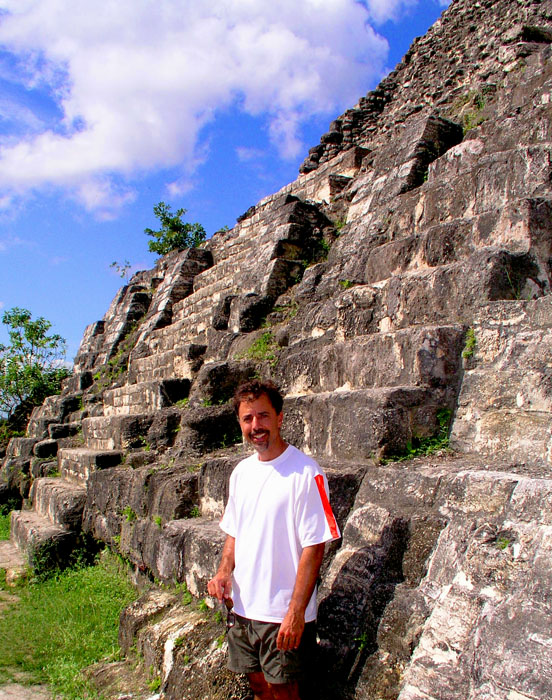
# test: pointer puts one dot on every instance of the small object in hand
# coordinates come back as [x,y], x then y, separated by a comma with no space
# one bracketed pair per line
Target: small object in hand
[230,615]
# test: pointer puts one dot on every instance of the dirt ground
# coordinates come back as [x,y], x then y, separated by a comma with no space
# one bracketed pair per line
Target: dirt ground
[15,691]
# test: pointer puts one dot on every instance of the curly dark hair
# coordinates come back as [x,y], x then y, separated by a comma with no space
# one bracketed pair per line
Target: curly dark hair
[249,391]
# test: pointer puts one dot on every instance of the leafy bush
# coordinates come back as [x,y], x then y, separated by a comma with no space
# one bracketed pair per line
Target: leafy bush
[31,368]
[174,234]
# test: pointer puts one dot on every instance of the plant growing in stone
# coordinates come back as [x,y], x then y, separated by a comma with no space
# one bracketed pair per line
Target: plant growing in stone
[129,514]
[174,233]
[264,348]
[471,342]
[121,269]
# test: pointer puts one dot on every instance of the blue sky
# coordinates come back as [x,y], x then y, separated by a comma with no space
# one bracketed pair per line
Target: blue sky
[108,108]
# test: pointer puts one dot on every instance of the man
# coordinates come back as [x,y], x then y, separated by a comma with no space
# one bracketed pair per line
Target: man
[277,520]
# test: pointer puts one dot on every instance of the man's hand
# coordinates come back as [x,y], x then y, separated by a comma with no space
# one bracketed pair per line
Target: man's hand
[291,631]
[220,586]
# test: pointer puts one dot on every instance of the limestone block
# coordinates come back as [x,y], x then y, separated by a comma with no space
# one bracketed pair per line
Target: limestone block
[60,501]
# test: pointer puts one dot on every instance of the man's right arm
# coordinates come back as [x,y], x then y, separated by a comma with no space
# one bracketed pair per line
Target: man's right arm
[220,586]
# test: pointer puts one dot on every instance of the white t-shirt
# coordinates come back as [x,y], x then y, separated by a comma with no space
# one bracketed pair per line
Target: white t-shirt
[274,510]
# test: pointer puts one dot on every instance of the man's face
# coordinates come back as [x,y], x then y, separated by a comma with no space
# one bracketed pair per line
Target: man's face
[260,426]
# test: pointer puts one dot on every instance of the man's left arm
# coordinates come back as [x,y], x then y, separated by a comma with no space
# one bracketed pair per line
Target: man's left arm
[291,629]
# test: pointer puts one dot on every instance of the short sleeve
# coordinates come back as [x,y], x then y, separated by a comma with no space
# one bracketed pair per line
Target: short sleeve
[228,522]
[316,522]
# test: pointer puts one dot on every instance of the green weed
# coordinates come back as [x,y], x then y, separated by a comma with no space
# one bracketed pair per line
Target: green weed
[471,342]
[346,284]
[5,526]
[424,446]
[264,349]
[130,515]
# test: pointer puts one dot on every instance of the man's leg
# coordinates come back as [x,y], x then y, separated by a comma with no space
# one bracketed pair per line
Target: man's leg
[259,686]
[285,691]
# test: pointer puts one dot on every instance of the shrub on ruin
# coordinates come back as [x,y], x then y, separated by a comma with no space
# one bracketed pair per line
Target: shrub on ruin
[174,234]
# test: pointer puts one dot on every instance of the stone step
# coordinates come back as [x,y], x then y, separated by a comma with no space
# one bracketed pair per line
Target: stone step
[520,435]
[362,424]
[512,334]
[520,226]
[77,464]
[45,544]
[158,492]
[180,362]
[452,293]
[144,397]
[418,355]
[60,501]
[12,561]
[108,433]
[506,396]
[181,551]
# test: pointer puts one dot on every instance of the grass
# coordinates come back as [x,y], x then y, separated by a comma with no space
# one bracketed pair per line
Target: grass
[5,511]
[5,526]
[62,625]
[264,348]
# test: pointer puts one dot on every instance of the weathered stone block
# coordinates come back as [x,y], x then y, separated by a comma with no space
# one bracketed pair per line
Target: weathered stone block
[60,501]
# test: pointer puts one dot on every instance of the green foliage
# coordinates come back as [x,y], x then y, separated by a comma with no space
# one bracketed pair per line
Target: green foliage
[194,512]
[158,521]
[117,365]
[346,284]
[174,234]
[290,310]
[471,342]
[31,364]
[423,446]
[339,225]
[363,641]
[60,626]
[202,605]
[154,684]
[183,403]
[265,348]
[503,542]
[130,515]
[121,269]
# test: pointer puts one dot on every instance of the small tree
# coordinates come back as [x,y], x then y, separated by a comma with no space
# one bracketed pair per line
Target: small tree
[175,234]
[31,365]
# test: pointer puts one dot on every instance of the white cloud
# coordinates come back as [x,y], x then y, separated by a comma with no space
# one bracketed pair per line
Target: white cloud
[136,81]
[383,10]
[247,155]
[8,242]
[102,196]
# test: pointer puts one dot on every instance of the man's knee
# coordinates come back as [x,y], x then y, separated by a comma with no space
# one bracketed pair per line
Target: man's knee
[259,686]
[285,691]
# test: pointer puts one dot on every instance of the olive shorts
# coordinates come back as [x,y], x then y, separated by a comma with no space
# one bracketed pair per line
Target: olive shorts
[252,648]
